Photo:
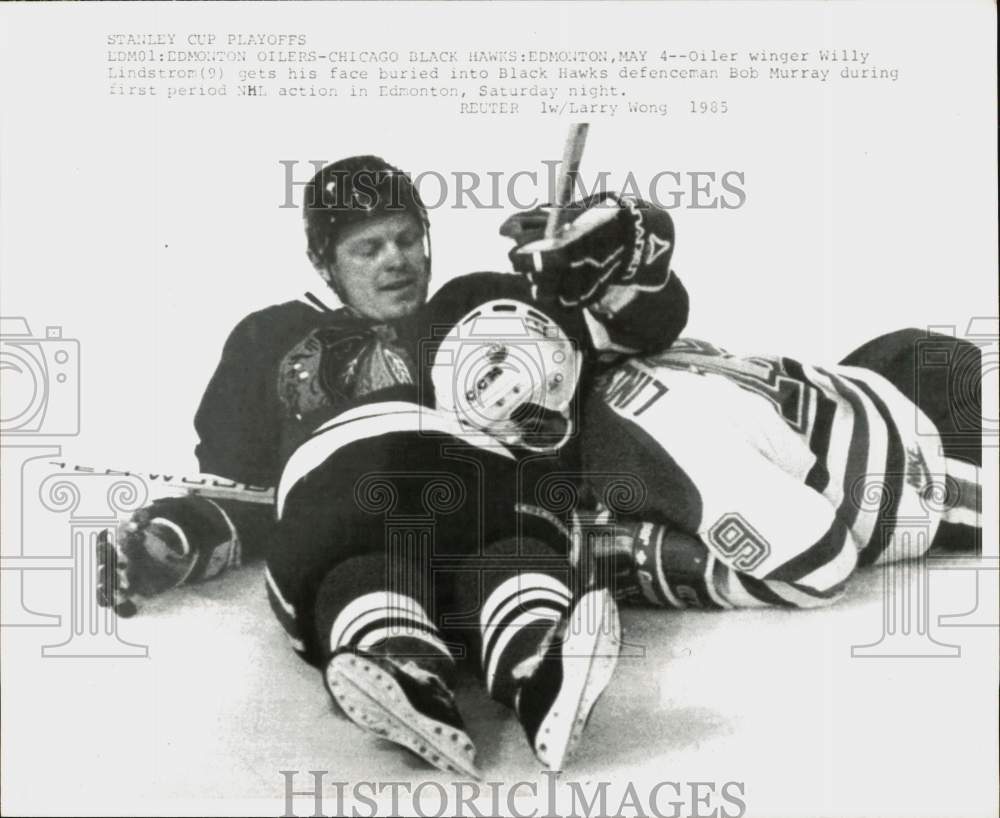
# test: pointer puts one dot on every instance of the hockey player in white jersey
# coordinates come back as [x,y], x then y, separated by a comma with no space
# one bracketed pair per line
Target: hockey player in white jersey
[761,480]
[768,481]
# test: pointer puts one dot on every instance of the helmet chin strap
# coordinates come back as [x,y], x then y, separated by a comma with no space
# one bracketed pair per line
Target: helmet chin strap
[551,447]
[330,280]
[521,437]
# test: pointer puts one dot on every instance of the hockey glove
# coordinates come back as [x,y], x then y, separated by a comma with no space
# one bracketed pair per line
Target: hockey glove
[642,563]
[606,241]
[173,541]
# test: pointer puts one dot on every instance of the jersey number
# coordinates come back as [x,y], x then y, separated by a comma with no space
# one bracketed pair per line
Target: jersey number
[738,541]
[764,376]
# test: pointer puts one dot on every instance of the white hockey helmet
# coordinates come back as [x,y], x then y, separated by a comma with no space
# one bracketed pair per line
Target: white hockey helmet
[509,370]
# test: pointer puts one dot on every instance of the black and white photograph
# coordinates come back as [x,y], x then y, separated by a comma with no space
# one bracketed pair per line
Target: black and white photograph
[499,408]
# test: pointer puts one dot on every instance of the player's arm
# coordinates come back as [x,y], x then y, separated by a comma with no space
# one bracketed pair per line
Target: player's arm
[237,420]
[735,517]
[766,523]
[238,424]
[171,542]
[660,565]
[178,541]
[611,258]
[184,540]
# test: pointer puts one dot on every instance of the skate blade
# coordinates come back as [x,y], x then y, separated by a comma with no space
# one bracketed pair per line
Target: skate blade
[590,655]
[374,701]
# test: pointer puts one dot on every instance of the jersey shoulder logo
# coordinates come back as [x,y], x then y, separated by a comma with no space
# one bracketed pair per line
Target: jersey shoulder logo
[332,365]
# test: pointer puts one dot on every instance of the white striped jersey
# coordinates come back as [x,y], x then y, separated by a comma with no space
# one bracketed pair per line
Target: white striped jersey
[791,475]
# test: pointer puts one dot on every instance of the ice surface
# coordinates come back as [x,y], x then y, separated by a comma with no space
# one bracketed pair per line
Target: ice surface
[769,698]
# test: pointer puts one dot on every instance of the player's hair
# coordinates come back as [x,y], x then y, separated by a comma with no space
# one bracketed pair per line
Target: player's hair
[351,191]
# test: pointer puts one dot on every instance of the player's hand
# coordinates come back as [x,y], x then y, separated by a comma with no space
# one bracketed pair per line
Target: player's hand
[606,240]
[601,548]
[147,555]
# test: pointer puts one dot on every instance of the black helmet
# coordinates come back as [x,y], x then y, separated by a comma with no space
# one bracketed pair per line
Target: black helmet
[350,191]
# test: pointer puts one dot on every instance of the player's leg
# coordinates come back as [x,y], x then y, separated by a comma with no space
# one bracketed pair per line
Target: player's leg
[545,654]
[319,528]
[390,670]
[350,606]
[544,651]
[942,376]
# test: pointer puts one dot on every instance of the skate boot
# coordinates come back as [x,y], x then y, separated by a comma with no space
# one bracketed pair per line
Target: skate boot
[559,686]
[403,703]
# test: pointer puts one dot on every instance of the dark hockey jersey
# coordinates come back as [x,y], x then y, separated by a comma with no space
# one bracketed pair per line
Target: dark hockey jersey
[289,369]
[789,474]
[286,369]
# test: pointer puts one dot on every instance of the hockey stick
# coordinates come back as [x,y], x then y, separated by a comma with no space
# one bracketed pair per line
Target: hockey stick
[203,485]
[568,171]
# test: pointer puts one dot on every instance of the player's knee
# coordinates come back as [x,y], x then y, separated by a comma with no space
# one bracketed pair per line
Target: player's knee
[352,578]
[881,353]
[341,585]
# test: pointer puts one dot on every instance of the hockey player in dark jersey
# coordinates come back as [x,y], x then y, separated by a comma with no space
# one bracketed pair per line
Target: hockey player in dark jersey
[269,390]
[409,531]
[333,402]
[257,407]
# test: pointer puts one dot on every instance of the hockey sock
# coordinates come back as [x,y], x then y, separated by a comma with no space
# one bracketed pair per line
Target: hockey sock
[355,609]
[519,611]
[960,529]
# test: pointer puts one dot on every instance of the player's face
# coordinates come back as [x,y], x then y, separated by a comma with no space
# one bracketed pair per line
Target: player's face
[381,269]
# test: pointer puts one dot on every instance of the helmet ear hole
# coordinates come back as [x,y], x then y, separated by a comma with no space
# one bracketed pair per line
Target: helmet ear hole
[541,429]
[526,413]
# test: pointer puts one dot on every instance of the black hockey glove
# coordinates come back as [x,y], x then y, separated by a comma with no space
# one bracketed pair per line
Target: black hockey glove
[173,541]
[606,241]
